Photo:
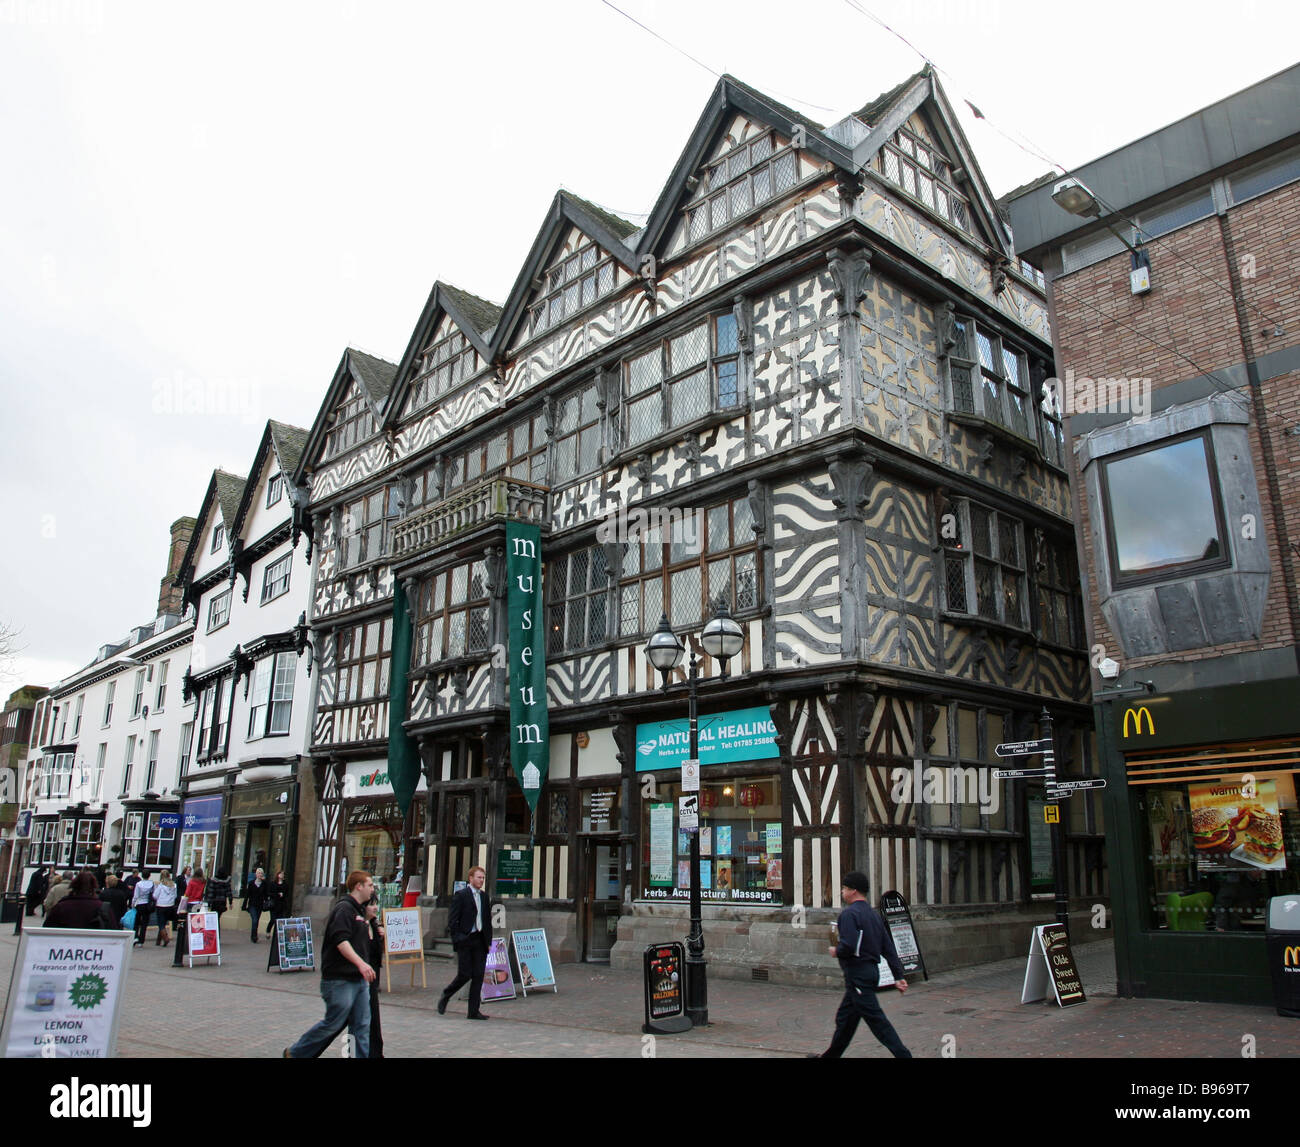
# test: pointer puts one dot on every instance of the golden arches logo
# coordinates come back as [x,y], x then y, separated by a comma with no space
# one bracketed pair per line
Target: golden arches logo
[1139,715]
[1291,956]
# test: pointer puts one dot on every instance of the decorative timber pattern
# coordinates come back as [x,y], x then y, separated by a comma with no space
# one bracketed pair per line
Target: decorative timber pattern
[901,623]
[815,847]
[325,872]
[807,597]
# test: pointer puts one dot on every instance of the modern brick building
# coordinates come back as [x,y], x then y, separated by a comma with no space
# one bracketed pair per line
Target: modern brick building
[1178,367]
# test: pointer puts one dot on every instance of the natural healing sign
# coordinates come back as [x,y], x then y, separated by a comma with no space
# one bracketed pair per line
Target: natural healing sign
[64,994]
[530,735]
[740,735]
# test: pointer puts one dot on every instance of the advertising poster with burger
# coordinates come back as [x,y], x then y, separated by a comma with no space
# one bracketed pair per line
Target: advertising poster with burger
[1233,832]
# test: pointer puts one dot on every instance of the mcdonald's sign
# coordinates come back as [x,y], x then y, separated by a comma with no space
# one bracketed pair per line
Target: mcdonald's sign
[1138,715]
[1291,956]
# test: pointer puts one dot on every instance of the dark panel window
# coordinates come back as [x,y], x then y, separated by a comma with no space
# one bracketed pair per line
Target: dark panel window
[575,592]
[1163,511]
[453,614]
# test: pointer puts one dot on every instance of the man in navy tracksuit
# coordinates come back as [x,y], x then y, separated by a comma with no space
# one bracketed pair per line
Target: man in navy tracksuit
[863,939]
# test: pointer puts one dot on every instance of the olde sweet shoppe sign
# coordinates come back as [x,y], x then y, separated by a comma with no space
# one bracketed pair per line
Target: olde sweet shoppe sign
[530,744]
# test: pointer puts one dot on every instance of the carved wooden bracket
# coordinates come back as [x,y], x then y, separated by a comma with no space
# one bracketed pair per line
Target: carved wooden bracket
[852,478]
[850,271]
[851,712]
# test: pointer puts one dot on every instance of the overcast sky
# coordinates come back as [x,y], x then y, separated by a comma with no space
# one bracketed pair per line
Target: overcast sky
[203,204]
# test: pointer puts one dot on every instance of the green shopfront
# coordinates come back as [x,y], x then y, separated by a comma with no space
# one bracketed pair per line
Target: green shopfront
[1202,796]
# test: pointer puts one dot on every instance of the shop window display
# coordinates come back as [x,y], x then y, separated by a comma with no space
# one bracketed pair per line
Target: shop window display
[741,843]
[1218,850]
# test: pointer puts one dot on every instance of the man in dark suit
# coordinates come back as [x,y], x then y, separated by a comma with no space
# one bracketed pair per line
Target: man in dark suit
[470,925]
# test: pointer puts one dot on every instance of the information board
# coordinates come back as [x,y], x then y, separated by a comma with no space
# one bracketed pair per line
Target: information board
[403,943]
[534,958]
[1051,962]
[64,993]
[294,948]
[515,872]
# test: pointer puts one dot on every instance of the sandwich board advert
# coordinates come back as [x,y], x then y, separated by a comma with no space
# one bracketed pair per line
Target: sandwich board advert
[64,993]
[293,949]
[403,943]
[498,983]
[1051,962]
[203,937]
[534,957]
[898,919]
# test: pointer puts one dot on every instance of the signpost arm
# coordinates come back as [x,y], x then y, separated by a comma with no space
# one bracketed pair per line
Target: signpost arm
[697,989]
[1059,875]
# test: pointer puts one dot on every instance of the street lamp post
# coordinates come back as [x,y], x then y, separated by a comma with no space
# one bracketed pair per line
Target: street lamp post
[722,638]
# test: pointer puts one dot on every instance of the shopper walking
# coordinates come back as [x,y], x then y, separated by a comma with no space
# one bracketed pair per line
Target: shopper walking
[277,900]
[219,894]
[255,899]
[196,889]
[81,907]
[59,888]
[164,899]
[345,974]
[114,895]
[470,924]
[863,940]
[375,923]
[37,887]
[142,902]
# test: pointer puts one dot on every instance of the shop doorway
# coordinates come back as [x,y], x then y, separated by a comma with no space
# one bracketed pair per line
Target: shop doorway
[600,897]
[258,844]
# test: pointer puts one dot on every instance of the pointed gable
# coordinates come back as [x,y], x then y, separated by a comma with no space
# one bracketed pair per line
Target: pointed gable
[574,262]
[916,143]
[279,452]
[450,343]
[351,413]
[220,507]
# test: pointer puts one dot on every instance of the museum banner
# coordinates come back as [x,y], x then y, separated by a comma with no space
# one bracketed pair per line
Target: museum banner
[530,740]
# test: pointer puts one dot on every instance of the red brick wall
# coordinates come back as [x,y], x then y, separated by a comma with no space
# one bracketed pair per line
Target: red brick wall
[1189,315]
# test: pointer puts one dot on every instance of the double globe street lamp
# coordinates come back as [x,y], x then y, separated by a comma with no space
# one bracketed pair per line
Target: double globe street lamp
[722,638]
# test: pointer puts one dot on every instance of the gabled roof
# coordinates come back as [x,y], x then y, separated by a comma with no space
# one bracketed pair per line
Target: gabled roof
[728,97]
[566,210]
[225,492]
[888,112]
[375,377]
[287,443]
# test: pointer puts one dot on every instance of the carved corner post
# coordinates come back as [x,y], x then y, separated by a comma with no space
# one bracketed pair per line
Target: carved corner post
[779,707]
[851,473]
[851,706]
[629,821]
[759,496]
[850,267]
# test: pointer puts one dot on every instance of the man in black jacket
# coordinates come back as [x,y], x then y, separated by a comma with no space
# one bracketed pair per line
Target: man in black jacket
[863,940]
[470,925]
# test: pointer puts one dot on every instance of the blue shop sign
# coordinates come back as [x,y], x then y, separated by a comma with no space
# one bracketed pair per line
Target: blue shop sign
[203,815]
[169,820]
[740,735]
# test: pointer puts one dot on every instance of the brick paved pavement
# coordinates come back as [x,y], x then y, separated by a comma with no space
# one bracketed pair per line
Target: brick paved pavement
[239,1010]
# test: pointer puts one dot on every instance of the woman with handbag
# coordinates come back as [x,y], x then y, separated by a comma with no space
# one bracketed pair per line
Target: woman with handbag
[142,902]
[165,903]
[277,900]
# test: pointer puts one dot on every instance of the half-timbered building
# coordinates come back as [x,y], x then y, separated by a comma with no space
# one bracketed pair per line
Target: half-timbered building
[805,389]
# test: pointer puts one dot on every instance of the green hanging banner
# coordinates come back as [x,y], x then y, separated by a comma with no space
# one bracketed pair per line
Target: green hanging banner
[403,756]
[530,735]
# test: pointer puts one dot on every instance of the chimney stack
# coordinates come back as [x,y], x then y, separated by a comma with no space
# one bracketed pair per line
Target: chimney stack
[170,596]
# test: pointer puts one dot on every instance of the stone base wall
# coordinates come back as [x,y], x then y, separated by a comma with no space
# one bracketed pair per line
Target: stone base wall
[749,943]
[561,927]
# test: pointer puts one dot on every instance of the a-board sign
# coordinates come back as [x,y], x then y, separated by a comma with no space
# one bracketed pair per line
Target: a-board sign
[402,932]
[534,959]
[64,993]
[294,946]
[203,938]
[898,919]
[498,983]
[403,943]
[665,996]
[1051,963]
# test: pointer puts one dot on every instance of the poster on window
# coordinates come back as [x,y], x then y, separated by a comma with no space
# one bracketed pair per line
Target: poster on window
[1236,827]
[661,845]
